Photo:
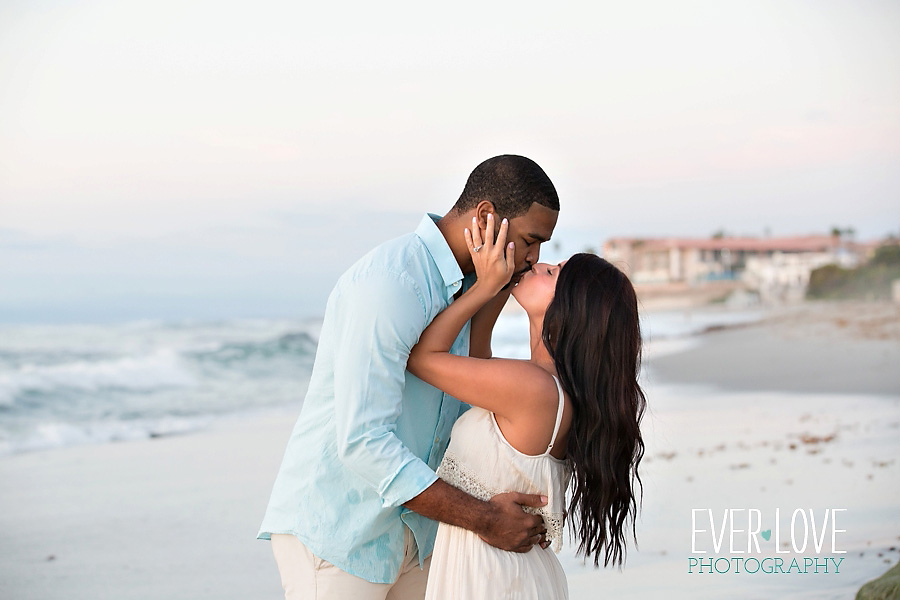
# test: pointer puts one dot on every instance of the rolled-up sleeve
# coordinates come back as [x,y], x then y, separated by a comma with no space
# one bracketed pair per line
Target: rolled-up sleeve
[381,316]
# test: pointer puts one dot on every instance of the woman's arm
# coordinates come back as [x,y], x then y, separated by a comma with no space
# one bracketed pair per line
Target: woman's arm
[501,386]
[483,325]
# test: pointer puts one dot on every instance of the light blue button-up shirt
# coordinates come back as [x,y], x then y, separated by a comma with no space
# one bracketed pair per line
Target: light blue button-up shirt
[370,434]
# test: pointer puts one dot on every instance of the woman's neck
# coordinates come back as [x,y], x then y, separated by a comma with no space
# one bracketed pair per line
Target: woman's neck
[539,353]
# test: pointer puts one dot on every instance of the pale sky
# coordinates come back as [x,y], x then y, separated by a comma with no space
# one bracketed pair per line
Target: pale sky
[213,159]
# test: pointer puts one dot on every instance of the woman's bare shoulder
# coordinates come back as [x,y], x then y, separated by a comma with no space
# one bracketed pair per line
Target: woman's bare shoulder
[529,382]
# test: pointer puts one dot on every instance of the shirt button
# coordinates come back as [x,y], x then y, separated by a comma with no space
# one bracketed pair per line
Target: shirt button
[456,284]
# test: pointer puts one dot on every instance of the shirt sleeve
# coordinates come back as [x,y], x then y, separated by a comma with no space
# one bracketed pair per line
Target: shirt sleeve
[380,316]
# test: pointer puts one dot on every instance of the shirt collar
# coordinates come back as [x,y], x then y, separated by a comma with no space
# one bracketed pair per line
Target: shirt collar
[440,251]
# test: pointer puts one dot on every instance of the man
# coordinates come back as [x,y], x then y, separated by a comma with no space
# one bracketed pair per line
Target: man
[353,509]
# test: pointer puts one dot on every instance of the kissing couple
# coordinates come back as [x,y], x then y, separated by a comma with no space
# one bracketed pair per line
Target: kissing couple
[423,467]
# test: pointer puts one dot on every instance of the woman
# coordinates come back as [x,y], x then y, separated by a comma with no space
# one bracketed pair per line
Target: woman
[570,413]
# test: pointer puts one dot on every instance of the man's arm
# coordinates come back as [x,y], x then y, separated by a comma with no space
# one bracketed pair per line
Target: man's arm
[378,317]
[500,522]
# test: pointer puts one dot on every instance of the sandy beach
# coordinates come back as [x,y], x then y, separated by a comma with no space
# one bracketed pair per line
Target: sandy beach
[839,348]
[799,411]
[174,517]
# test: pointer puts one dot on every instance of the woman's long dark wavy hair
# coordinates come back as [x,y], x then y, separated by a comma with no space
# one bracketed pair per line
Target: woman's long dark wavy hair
[592,331]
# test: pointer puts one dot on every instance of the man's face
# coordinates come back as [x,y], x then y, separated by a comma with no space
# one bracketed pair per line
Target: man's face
[529,231]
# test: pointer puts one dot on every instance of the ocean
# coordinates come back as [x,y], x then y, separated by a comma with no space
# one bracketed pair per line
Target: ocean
[65,385]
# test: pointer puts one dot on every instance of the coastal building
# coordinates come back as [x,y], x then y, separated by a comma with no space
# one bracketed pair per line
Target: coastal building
[777,269]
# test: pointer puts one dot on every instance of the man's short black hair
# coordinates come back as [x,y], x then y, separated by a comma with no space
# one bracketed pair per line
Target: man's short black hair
[512,183]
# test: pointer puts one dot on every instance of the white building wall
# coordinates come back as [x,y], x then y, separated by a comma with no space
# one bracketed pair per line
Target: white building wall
[784,277]
[675,273]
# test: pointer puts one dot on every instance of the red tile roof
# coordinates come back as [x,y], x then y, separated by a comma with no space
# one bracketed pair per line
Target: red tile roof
[809,243]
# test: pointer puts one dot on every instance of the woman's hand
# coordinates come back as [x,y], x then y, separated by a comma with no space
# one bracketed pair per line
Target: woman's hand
[494,262]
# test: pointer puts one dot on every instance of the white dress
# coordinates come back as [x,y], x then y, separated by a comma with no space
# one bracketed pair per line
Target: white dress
[481,462]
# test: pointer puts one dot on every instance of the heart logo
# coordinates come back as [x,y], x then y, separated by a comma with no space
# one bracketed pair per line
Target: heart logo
[767,534]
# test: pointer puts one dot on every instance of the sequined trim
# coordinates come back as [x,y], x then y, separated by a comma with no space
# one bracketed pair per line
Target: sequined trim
[453,471]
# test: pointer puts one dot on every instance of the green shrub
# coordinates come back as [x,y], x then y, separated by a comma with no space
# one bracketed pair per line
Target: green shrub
[886,587]
[828,282]
[888,256]
[871,281]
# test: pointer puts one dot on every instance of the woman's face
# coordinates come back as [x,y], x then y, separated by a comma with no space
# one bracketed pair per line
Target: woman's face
[536,288]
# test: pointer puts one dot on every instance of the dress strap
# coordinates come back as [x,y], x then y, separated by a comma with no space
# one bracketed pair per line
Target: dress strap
[559,414]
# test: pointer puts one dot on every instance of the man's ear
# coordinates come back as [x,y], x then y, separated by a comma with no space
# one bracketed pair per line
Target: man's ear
[482,210]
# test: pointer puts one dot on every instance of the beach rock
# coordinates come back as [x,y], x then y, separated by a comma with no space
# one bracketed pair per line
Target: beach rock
[886,587]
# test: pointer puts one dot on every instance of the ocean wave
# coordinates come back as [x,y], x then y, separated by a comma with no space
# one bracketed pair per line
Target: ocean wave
[61,434]
[160,369]
[174,366]
[63,385]
[292,344]
[678,324]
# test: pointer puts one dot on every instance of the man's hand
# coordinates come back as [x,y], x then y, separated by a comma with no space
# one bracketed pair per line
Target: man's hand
[511,528]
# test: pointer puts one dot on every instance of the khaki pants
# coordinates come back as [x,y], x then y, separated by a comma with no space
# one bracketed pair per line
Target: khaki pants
[306,576]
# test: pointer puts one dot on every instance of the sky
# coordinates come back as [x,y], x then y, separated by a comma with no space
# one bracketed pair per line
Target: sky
[205,160]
